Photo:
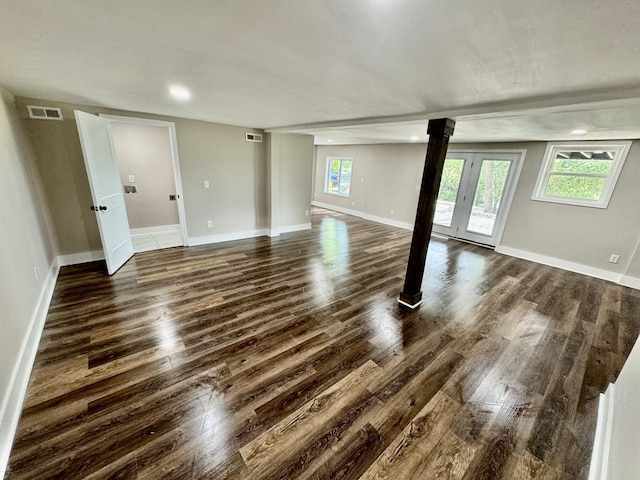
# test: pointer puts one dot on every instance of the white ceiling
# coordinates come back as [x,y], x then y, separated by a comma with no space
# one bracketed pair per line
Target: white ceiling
[350,71]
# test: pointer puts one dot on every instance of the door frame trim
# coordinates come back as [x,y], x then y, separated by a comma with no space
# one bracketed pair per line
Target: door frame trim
[510,189]
[173,140]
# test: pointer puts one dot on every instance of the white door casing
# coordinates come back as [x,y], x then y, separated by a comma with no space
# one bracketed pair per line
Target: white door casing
[106,189]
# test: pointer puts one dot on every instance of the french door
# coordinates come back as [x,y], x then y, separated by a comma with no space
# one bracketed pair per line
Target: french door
[475,194]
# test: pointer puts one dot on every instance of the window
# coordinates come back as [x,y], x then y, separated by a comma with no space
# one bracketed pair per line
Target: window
[338,181]
[580,174]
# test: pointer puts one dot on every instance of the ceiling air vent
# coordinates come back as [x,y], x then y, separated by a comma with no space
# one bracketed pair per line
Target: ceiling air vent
[254,137]
[44,113]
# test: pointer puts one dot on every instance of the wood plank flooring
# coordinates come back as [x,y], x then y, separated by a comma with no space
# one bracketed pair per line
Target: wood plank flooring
[289,358]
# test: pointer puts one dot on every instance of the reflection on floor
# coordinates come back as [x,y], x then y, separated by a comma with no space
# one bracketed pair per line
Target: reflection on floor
[155,241]
[289,358]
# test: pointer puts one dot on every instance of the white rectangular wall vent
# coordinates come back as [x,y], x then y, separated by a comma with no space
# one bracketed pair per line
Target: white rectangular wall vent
[254,137]
[44,113]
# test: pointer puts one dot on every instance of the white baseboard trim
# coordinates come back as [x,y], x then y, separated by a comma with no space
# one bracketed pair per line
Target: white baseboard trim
[295,228]
[365,216]
[559,263]
[11,405]
[226,237]
[602,441]
[412,307]
[328,206]
[632,282]
[273,232]
[388,221]
[157,229]
[77,258]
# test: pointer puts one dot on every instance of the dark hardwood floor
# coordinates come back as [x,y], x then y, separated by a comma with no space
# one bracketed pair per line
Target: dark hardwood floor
[290,358]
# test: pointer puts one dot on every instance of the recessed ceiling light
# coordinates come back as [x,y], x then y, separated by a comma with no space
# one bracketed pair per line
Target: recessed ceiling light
[179,93]
[578,131]
[414,138]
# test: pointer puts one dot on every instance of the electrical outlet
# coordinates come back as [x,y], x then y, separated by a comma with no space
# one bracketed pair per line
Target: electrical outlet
[353,204]
[209,224]
[417,188]
[206,184]
[614,258]
[362,180]
[36,273]
[306,213]
[393,212]
[132,178]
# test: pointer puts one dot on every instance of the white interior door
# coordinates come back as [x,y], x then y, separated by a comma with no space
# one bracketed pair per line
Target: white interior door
[106,189]
[475,194]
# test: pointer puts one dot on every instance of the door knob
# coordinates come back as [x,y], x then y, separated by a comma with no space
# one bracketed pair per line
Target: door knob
[102,208]
[94,208]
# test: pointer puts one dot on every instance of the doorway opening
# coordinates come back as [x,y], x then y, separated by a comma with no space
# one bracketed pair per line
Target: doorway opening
[475,195]
[147,158]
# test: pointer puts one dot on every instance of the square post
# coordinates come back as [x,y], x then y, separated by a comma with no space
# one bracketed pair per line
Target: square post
[439,132]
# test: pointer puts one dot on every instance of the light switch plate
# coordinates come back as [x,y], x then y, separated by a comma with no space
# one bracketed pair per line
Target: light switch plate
[206,184]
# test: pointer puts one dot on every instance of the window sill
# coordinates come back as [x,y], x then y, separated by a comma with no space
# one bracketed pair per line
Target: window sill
[336,194]
[571,201]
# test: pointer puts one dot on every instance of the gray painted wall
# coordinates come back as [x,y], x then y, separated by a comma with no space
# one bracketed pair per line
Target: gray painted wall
[291,157]
[24,244]
[385,179]
[235,169]
[144,151]
[582,235]
[59,160]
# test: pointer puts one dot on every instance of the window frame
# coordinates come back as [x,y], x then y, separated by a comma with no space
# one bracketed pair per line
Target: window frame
[327,173]
[622,148]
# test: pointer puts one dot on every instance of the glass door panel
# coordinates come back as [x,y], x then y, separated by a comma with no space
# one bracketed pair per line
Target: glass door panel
[488,196]
[448,193]
[474,196]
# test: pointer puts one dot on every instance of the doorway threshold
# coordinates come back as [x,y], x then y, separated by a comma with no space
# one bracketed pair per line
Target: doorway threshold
[146,242]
